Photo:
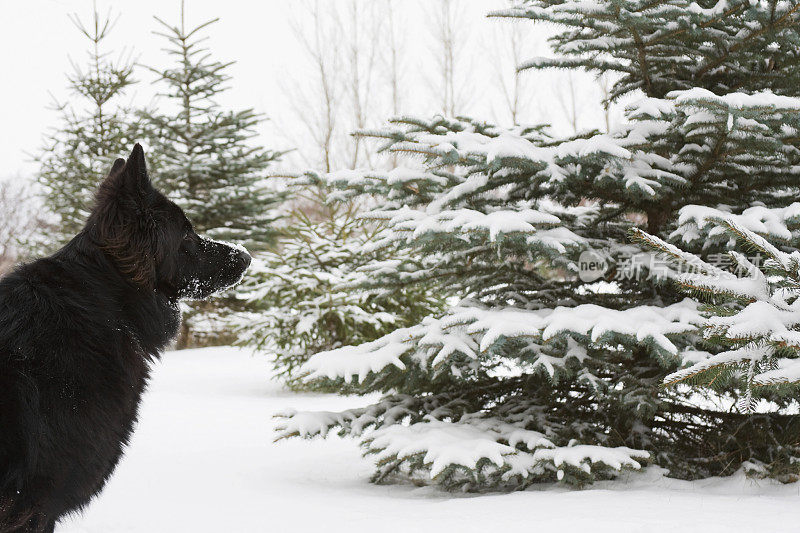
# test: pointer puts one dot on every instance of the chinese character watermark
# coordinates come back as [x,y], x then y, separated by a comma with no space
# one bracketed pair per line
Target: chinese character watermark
[593,266]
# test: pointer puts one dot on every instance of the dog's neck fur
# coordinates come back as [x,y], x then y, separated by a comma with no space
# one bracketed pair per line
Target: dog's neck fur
[147,310]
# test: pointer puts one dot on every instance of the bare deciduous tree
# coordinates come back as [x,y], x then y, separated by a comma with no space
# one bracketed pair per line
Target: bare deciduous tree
[394,61]
[566,92]
[395,50]
[451,82]
[512,44]
[605,84]
[344,44]
[363,51]
[577,95]
[20,219]
[316,105]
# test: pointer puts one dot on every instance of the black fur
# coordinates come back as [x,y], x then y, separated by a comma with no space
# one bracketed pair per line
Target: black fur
[78,331]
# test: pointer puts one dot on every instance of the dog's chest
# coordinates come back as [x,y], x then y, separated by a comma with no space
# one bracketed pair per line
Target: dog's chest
[94,421]
[105,400]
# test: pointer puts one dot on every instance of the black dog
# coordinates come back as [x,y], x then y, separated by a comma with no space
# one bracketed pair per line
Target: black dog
[78,331]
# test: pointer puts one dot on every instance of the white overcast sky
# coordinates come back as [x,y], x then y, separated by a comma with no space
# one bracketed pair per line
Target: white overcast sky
[37,41]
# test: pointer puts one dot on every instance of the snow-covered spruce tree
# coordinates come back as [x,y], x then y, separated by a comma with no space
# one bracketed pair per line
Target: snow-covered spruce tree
[539,373]
[95,128]
[207,162]
[303,297]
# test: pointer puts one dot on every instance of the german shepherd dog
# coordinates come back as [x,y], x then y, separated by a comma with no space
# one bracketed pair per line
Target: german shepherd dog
[78,332]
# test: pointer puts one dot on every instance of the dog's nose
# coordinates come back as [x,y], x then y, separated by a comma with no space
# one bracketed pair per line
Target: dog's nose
[244,259]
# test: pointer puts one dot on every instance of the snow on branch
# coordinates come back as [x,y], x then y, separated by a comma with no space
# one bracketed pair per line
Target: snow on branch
[416,224]
[444,445]
[762,101]
[697,221]
[458,452]
[488,446]
[760,333]
[739,356]
[643,324]
[475,332]
[772,321]
[787,371]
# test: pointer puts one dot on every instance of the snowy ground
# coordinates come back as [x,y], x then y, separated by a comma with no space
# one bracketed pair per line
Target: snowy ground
[203,460]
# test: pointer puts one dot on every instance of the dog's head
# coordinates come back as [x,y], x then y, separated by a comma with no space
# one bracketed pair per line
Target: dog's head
[151,241]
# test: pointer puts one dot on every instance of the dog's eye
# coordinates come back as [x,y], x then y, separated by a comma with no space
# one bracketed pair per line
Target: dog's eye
[187,243]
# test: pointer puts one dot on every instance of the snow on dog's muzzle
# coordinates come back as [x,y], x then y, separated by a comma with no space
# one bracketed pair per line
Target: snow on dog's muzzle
[215,266]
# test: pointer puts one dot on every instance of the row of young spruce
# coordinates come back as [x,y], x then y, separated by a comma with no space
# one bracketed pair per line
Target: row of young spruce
[200,154]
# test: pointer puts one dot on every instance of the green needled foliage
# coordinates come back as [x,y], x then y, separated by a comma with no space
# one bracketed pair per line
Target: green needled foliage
[752,324]
[207,161]
[538,371]
[305,296]
[95,128]
[201,155]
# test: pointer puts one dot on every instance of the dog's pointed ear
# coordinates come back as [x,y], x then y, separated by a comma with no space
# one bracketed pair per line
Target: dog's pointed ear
[117,167]
[122,220]
[135,170]
[127,182]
